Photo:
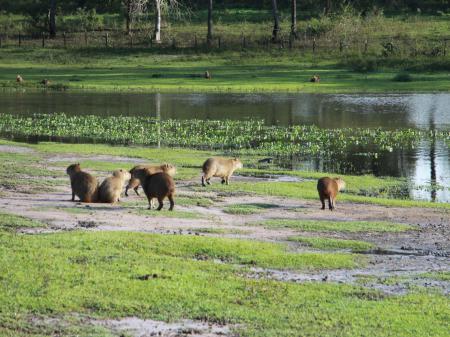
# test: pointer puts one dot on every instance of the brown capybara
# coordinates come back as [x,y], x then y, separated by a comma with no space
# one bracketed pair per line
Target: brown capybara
[19,79]
[328,189]
[159,186]
[111,188]
[315,79]
[138,174]
[220,167]
[84,185]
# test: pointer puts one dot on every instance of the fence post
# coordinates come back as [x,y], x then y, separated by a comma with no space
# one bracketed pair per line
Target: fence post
[445,47]
[243,41]
[65,42]
[366,46]
[131,40]
[314,45]
[195,42]
[43,40]
[218,42]
[85,38]
[174,43]
[341,46]
[291,41]
[20,40]
[106,39]
[1,41]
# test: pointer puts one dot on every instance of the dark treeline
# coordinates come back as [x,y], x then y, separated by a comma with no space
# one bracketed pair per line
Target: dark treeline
[314,7]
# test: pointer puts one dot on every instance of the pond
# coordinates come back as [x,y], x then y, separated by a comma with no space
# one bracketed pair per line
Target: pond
[427,166]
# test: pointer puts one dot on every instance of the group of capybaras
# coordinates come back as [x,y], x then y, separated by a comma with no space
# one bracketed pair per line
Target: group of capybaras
[157,182]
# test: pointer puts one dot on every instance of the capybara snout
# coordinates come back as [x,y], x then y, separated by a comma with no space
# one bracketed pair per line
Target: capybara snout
[220,167]
[328,189]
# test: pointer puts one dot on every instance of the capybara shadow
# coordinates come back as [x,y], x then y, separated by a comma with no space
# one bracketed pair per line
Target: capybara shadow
[111,188]
[139,172]
[160,186]
[328,189]
[83,184]
[219,167]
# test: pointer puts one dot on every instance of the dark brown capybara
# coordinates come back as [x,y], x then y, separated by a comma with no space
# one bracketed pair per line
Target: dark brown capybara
[220,167]
[328,189]
[111,188]
[315,79]
[84,185]
[138,174]
[159,186]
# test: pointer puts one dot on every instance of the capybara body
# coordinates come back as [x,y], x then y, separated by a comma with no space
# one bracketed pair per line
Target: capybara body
[138,174]
[111,188]
[328,189]
[84,185]
[220,167]
[160,186]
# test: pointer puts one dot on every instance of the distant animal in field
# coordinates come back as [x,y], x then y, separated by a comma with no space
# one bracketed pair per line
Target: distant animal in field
[208,75]
[315,79]
[111,188]
[83,184]
[160,186]
[19,79]
[328,189]
[220,167]
[139,172]
[45,82]
[265,160]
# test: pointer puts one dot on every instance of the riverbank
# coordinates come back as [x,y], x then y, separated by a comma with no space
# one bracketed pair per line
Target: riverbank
[141,70]
[269,264]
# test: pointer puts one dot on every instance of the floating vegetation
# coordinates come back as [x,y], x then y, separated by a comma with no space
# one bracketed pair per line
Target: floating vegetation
[239,136]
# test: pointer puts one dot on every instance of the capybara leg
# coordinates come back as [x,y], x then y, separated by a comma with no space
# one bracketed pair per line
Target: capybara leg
[330,203]
[223,181]
[203,181]
[208,181]
[149,202]
[136,190]
[322,200]
[172,203]
[126,191]
[161,204]
[73,195]
[226,180]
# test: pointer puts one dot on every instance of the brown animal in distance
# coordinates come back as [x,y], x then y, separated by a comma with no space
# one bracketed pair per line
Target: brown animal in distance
[83,184]
[328,189]
[315,79]
[111,188]
[220,167]
[160,186]
[139,172]
[19,79]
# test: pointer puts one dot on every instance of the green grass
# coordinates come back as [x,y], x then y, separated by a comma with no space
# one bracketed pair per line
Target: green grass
[215,230]
[11,222]
[97,274]
[247,209]
[338,226]
[165,213]
[438,275]
[132,70]
[332,244]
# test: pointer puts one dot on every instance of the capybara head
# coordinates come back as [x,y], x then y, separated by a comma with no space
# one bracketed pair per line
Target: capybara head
[71,169]
[237,164]
[340,183]
[169,169]
[123,174]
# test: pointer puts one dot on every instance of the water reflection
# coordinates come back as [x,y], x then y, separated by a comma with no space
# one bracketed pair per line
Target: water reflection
[426,165]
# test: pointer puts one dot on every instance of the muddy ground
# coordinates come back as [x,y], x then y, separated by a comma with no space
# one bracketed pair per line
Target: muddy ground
[394,267]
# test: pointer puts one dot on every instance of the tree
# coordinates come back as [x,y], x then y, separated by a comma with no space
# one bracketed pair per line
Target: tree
[133,8]
[276,21]
[294,18]
[160,6]
[328,6]
[52,19]
[209,37]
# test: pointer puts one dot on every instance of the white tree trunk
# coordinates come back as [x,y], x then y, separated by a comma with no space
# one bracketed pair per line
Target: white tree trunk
[157,32]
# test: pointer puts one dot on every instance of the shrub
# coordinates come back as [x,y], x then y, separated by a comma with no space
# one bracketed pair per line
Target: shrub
[402,77]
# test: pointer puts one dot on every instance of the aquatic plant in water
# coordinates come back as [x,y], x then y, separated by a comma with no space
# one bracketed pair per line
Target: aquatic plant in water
[239,136]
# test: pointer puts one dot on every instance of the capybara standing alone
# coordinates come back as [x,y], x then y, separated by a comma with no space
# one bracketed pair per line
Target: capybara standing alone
[84,185]
[328,189]
[159,186]
[111,188]
[220,167]
[138,174]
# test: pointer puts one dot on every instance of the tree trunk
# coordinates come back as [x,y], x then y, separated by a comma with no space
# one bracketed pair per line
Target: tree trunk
[294,18]
[157,32]
[328,7]
[209,37]
[52,19]
[128,16]
[276,21]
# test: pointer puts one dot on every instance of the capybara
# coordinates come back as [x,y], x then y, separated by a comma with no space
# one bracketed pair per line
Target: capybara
[315,79]
[220,167]
[84,185]
[19,79]
[111,188]
[159,186]
[138,174]
[208,75]
[328,189]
